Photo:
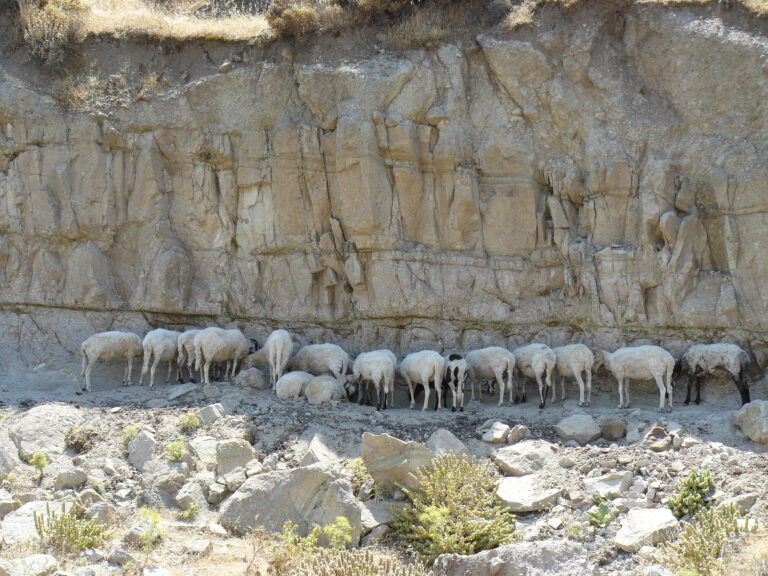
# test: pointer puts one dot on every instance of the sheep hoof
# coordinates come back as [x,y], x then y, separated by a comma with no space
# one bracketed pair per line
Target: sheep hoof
[453,409]
[582,404]
[541,405]
[461,409]
[586,403]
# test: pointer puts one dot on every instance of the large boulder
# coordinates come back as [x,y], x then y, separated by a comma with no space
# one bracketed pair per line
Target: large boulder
[645,527]
[546,558]
[19,526]
[45,428]
[752,418]
[580,427]
[232,454]
[525,457]
[392,462]
[526,494]
[9,454]
[307,496]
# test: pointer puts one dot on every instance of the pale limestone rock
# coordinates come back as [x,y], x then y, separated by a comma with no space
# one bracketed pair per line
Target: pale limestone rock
[318,451]
[141,449]
[657,439]
[616,483]
[252,378]
[103,512]
[525,457]
[518,432]
[496,434]
[743,501]
[34,565]
[443,441]
[526,494]
[543,558]
[646,527]
[231,454]
[19,526]
[44,428]
[9,454]
[752,418]
[612,429]
[7,503]
[580,427]
[203,448]
[209,414]
[71,478]
[199,547]
[190,493]
[392,462]
[307,496]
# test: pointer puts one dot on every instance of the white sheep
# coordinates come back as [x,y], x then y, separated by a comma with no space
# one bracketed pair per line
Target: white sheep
[275,352]
[456,370]
[326,388]
[186,352]
[320,359]
[377,367]
[109,347]
[639,363]
[292,385]
[421,368]
[534,361]
[489,363]
[162,345]
[702,359]
[572,360]
[219,345]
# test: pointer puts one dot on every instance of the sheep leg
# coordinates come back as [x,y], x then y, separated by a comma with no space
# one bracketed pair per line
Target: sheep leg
[426,395]
[662,392]
[472,389]
[144,367]
[87,373]
[168,376]
[205,376]
[626,393]
[589,387]
[453,394]
[499,375]
[152,371]
[620,380]
[577,374]
[562,391]
[542,390]
[691,379]
[130,367]
[410,389]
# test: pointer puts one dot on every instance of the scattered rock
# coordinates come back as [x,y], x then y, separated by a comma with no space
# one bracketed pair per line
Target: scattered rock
[234,479]
[209,414]
[203,448]
[166,476]
[19,526]
[189,494]
[613,429]
[525,457]
[103,512]
[518,432]
[616,483]
[9,454]
[581,428]
[211,391]
[7,503]
[176,392]
[525,494]
[318,451]
[743,501]
[231,454]
[645,527]
[34,565]
[496,434]
[443,441]
[216,493]
[752,418]
[198,547]
[307,496]
[141,449]
[544,558]
[391,461]
[657,439]
[252,378]
[72,478]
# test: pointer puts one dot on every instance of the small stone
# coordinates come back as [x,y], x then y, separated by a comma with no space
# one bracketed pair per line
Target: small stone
[518,432]
[581,428]
[657,439]
[234,479]
[555,523]
[566,462]
[613,429]
[443,441]
[217,529]
[209,414]
[198,547]
[211,391]
[180,390]
[225,67]
[496,434]
[73,478]
[644,527]
[254,467]
[118,555]
[216,493]
[34,565]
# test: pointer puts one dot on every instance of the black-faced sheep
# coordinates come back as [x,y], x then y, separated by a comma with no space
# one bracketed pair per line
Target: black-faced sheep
[702,359]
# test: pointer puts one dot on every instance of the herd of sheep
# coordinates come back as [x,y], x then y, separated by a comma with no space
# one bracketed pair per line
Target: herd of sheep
[321,372]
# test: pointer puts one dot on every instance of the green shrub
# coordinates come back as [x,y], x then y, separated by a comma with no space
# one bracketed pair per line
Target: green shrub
[355,563]
[455,510]
[360,475]
[152,533]
[175,450]
[601,514]
[130,432]
[39,461]
[701,543]
[51,27]
[68,532]
[190,512]
[188,422]
[692,493]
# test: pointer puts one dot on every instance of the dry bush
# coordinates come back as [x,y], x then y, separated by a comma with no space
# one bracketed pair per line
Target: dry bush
[431,23]
[51,28]
[520,15]
[293,19]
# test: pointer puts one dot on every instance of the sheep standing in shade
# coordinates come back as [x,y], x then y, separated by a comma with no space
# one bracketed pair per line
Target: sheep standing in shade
[534,361]
[640,363]
[162,345]
[276,352]
[489,363]
[572,360]
[703,359]
[292,385]
[422,368]
[219,345]
[378,368]
[320,359]
[186,352]
[109,347]
[456,370]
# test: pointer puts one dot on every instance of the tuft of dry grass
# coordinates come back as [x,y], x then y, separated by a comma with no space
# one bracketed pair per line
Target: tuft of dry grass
[434,22]
[179,22]
[51,27]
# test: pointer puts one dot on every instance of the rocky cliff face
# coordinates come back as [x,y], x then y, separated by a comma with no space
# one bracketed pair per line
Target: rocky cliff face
[603,172]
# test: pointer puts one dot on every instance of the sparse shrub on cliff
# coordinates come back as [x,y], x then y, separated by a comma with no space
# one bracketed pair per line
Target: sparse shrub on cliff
[51,27]
[455,510]
[692,493]
[188,422]
[293,19]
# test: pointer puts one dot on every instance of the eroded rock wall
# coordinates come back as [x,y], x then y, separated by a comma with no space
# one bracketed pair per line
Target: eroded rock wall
[602,174]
